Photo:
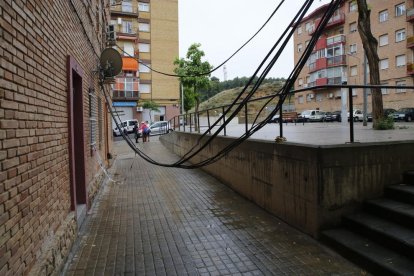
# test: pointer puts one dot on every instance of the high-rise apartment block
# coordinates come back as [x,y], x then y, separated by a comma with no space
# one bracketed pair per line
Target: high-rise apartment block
[147,38]
[338,56]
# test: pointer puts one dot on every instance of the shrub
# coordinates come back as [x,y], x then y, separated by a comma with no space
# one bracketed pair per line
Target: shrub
[385,123]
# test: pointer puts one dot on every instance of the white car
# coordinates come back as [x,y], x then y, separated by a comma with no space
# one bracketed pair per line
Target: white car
[126,126]
[160,127]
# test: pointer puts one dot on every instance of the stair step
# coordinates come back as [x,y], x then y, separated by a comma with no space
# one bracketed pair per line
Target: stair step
[397,211]
[401,192]
[409,177]
[368,254]
[388,233]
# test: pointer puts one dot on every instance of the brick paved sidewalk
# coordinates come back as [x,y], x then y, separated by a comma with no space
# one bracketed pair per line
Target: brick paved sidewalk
[167,221]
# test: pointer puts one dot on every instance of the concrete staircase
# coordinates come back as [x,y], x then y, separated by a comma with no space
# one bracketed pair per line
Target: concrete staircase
[380,238]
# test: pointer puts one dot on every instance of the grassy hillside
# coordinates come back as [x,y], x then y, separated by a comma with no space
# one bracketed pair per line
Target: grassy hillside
[227,96]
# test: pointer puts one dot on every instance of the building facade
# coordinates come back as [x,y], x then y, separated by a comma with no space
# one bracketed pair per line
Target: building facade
[55,131]
[338,56]
[146,31]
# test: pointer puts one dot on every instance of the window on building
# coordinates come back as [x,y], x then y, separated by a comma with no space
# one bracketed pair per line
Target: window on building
[144,68]
[400,60]
[299,47]
[299,29]
[300,99]
[93,118]
[143,47]
[400,83]
[383,40]
[352,48]
[306,43]
[300,82]
[353,27]
[319,97]
[308,27]
[144,27]
[128,49]
[126,26]
[383,64]
[400,35]
[400,9]
[143,7]
[113,2]
[384,91]
[353,6]
[354,70]
[383,16]
[126,6]
[144,88]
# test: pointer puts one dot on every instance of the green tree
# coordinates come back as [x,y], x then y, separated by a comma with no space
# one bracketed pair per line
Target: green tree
[370,44]
[151,105]
[193,73]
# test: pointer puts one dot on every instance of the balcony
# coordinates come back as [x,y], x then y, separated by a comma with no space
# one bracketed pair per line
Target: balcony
[333,40]
[336,20]
[125,9]
[410,42]
[410,69]
[319,64]
[410,15]
[335,80]
[336,61]
[125,88]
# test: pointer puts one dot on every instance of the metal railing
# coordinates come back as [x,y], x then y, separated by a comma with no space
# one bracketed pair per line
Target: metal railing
[187,122]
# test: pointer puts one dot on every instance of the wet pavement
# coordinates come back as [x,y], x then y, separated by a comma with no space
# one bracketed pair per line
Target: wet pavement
[165,221]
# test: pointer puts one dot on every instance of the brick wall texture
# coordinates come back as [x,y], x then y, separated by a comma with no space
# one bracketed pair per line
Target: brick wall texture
[37,224]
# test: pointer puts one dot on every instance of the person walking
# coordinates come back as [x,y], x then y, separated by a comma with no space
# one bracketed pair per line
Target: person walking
[136,132]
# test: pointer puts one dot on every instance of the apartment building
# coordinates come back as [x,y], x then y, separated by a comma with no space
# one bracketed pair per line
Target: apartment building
[55,131]
[338,56]
[146,31]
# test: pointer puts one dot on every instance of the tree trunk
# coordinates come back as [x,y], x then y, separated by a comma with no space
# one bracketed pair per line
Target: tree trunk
[370,44]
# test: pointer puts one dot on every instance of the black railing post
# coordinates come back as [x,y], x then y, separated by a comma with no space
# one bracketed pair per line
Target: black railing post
[280,122]
[224,121]
[198,122]
[246,123]
[185,121]
[351,116]
[191,121]
[208,121]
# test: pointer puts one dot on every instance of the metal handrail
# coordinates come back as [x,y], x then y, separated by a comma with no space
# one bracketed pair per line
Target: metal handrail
[350,87]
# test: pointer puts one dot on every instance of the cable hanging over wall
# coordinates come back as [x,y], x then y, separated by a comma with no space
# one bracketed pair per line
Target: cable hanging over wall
[265,66]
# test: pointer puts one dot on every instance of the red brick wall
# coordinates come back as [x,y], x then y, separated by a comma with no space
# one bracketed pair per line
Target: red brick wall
[36,38]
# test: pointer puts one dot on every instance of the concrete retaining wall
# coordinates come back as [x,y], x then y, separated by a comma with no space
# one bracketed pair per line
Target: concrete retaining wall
[309,187]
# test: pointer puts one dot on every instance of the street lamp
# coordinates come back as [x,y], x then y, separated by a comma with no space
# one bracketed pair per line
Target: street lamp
[365,92]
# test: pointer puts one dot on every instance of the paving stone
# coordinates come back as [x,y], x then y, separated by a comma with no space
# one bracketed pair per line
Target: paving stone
[168,221]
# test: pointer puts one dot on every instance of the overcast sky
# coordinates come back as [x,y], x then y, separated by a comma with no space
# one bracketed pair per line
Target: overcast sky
[222,26]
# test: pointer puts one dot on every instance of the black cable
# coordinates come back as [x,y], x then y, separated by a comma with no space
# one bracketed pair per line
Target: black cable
[216,68]
[283,92]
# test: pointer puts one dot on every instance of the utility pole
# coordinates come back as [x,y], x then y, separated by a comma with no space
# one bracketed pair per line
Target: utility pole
[365,92]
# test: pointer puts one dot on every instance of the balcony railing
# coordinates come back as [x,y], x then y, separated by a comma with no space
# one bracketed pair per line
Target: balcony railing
[336,61]
[410,15]
[410,42]
[335,80]
[125,95]
[336,20]
[410,69]
[125,88]
[335,40]
[125,9]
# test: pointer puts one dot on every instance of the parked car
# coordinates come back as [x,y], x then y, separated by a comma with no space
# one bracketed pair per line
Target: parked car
[404,114]
[126,126]
[357,116]
[387,112]
[311,115]
[334,116]
[160,127]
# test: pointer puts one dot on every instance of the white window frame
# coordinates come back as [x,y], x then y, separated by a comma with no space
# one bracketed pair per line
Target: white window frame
[384,64]
[144,27]
[353,70]
[126,6]
[299,47]
[383,40]
[144,88]
[353,6]
[300,82]
[143,7]
[129,49]
[400,83]
[353,27]
[300,99]
[144,47]
[127,27]
[384,91]
[400,60]
[353,48]
[400,35]
[383,16]
[144,67]
[400,9]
